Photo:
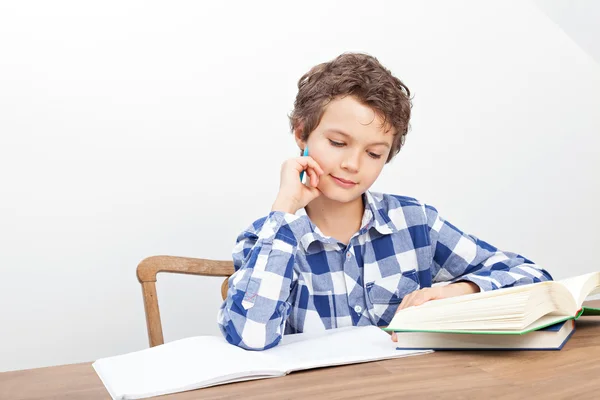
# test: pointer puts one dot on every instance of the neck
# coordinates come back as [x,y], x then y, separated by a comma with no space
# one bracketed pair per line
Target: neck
[336,219]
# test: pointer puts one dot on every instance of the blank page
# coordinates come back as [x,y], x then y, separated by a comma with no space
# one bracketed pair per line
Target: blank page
[334,347]
[177,366]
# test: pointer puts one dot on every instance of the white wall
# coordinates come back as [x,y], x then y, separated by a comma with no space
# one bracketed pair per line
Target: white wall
[131,129]
[579,19]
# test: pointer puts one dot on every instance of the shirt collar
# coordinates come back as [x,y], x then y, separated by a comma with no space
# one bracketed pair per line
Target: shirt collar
[374,217]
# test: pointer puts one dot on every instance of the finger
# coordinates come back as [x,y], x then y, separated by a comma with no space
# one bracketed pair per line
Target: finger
[314,193]
[436,293]
[414,299]
[402,305]
[394,337]
[420,300]
[399,307]
[313,164]
[424,297]
[407,301]
[314,180]
[308,177]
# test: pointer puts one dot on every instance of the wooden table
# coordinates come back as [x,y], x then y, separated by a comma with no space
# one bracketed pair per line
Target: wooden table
[573,372]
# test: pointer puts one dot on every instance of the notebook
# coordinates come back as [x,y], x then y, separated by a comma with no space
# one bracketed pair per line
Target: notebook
[204,361]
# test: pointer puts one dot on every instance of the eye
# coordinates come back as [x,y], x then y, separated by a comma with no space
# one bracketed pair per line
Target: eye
[375,156]
[336,144]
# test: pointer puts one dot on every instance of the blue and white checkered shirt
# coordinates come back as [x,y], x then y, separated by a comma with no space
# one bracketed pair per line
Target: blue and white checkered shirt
[292,278]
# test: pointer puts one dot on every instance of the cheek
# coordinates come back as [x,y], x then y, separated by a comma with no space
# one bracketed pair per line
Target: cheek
[322,158]
[370,173]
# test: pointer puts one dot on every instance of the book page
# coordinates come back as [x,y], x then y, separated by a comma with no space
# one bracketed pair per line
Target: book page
[478,296]
[480,313]
[582,286]
[180,365]
[334,347]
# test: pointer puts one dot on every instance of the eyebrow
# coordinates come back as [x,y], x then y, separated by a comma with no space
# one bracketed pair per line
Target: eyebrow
[348,136]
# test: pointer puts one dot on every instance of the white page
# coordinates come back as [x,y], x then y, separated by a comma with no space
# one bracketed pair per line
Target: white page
[178,366]
[581,286]
[334,347]
[203,361]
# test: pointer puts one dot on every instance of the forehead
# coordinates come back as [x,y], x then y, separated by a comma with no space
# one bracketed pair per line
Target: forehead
[356,119]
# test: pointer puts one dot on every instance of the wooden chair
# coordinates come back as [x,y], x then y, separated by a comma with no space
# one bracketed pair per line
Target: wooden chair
[146,274]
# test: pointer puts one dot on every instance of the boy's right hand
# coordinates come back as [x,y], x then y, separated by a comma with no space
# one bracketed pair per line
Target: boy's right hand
[293,194]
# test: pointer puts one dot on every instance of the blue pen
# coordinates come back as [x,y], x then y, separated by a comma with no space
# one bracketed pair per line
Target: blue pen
[304,154]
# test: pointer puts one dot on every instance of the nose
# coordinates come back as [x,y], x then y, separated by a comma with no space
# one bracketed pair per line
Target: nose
[351,161]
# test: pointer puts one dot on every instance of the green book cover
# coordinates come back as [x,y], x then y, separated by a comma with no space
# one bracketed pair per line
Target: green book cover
[585,311]
[589,311]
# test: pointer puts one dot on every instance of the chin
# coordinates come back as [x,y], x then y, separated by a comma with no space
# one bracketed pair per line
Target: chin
[341,195]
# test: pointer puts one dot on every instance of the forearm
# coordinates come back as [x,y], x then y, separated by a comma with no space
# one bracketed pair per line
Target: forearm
[256,307]
[461,288]
[460,257]
[514,271]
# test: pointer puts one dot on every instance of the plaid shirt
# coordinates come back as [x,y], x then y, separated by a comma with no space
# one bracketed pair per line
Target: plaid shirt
[292,278]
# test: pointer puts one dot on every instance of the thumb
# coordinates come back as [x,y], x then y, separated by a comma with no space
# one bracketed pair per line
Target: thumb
[313,193]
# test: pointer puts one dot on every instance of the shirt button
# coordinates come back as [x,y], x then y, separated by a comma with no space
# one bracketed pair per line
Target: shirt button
[348,255]
[358,309]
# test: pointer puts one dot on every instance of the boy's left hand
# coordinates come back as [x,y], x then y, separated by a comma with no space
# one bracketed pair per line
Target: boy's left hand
[421,296]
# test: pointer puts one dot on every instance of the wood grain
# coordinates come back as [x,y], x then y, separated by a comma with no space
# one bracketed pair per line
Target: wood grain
[147,270]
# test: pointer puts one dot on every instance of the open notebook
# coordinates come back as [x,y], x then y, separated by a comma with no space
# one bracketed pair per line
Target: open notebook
[203,361]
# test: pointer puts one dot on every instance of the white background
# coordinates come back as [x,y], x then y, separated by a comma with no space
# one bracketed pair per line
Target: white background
[130,129]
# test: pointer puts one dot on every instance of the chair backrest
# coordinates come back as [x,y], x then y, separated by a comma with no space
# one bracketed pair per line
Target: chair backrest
[147,270]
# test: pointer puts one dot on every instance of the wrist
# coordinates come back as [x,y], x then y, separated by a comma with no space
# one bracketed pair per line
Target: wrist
[284,205]
[464,287]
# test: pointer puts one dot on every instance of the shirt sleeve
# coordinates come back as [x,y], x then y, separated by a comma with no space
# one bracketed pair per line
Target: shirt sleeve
[257,306]
[458,256]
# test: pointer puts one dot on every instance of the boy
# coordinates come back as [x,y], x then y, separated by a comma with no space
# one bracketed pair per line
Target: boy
[331,253]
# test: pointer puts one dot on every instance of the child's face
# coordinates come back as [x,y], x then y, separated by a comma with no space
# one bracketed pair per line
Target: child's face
[350,143]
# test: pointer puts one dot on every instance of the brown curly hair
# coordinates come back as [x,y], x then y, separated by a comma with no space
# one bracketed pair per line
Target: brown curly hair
[359,75]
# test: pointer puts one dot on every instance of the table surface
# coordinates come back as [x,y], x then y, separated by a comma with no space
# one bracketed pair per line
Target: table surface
[569,373]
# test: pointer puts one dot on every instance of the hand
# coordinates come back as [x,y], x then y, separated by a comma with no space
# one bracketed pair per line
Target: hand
[421,296]
[293,194]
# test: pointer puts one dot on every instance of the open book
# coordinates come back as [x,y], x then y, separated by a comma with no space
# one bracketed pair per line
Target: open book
[203,361]
[514,310]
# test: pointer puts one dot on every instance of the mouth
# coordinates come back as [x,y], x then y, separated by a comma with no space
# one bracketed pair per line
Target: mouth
[343,182]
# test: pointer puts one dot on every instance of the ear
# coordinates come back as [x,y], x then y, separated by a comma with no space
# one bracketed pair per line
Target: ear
[298,136]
